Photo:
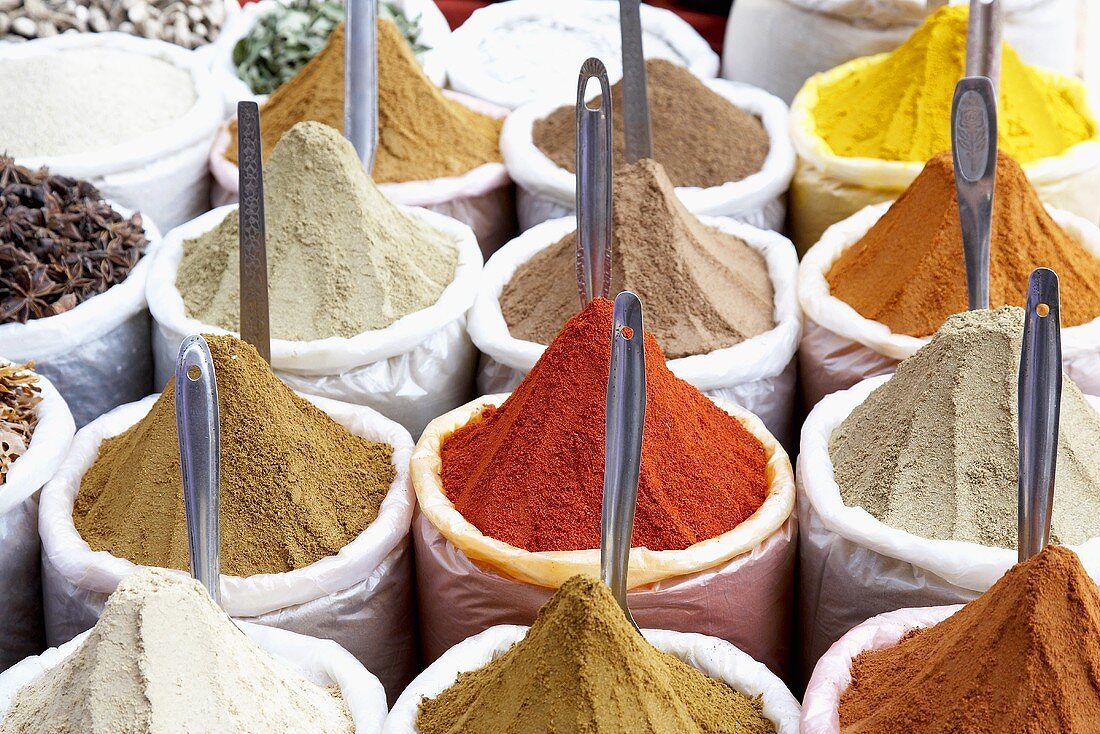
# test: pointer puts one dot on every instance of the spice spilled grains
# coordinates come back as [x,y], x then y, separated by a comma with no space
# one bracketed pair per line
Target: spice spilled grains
[582,667]
[1021,658]
[530,472]
[698,136]
[703,289]
[296,485]
[19,399]
[189,24]
[60,243]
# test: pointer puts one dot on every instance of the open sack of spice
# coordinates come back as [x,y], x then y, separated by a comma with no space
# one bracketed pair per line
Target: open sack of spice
[435,150]
[583,667]
[368,299]
[164,657]
[134,117]
[315,512]
[868,302]
[725,147]
[864,130]
[510,490]
[719,295]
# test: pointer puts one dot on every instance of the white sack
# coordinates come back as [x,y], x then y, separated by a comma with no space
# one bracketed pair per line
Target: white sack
[840,347]
[320,661]
[416,368]
[361,597]
[163,173]
[545,191]
[715,658]
[21,629]
[757,374]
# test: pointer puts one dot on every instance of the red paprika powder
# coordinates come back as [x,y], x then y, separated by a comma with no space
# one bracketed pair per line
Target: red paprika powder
[530,472]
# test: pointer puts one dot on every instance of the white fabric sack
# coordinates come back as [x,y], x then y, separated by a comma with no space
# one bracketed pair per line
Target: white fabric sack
[545,191]
[416,368]
[320,661]
[737,586]
[715,658]
[98,354]
[361,597]
[778,44]
[840,347]
[21,624]
[757,374]
[163,174]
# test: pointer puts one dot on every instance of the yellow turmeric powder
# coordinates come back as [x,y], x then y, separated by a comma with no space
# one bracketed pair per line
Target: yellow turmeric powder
[897,107]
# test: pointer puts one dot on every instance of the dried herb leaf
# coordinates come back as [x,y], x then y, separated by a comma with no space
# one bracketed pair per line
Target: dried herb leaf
[19,397]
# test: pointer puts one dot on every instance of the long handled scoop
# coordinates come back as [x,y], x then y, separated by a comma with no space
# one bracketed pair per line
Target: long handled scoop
[974,151]
[196,396]
[626,394]
[593,186]
[636,126]
[252,233]
[983,40]
[1039,409]
[361,79]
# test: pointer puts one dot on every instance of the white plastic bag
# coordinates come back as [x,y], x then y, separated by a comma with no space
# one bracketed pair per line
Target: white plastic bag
[98,354]
[545,191]
[163,174]
[320,661]
[757,374]
[416,368]
[21,629]
[840,347]
[715,658]
[361,597]
[736,586]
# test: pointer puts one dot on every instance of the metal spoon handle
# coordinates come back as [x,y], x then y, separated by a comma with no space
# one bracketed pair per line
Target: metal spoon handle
[196,396]
[593,186]
[974,150]
[626,394]
[252,234]
[1039,409]
[361,79]
[983,40]
[636,128]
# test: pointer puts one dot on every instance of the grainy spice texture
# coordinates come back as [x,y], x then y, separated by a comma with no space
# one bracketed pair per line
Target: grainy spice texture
[296,485]
[19,399]
[583,668]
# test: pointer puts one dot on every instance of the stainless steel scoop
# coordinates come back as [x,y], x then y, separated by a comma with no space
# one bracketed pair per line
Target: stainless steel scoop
[974,152]
[593,186]
[252,232]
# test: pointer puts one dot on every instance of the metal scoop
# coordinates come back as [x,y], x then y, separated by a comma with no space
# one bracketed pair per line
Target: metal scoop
[636,127]
[974,152]
[593,186]
[361,79]
[252,233]
[983,40]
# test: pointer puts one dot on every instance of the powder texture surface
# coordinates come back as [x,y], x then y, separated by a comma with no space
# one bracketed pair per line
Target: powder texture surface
[296,485]
[530,472]
[1022,658]
[164,659]
[934,450]
[422,135]
[703,289]
[698,136]
[583,668]
[82,100]
[342,259]
[908,271]
[899,107]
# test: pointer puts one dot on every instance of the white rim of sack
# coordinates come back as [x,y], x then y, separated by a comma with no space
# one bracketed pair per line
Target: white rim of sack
[967,565]
[101,571]
[550,568]
[813,150]
[320,661]
[831,313]
[332,353]
[489,330]
[196,125]
[48,446]
[892,12]
[533,170]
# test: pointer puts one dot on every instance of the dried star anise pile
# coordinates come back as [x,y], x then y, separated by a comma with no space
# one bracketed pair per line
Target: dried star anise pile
[60,243]
[19,396]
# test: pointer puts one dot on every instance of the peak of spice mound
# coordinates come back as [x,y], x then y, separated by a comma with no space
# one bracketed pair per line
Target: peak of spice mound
[530,472]
[908,271]
[422,135]
[343,259]
[898,107]
[60,243]
[703,289]
[1021,658]
[296,485]
[582,667]
[934,450]
[164,658]
[19,399]
[700,137]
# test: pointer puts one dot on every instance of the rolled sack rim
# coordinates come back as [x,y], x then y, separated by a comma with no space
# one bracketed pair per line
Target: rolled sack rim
[48,446]
[892,13]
